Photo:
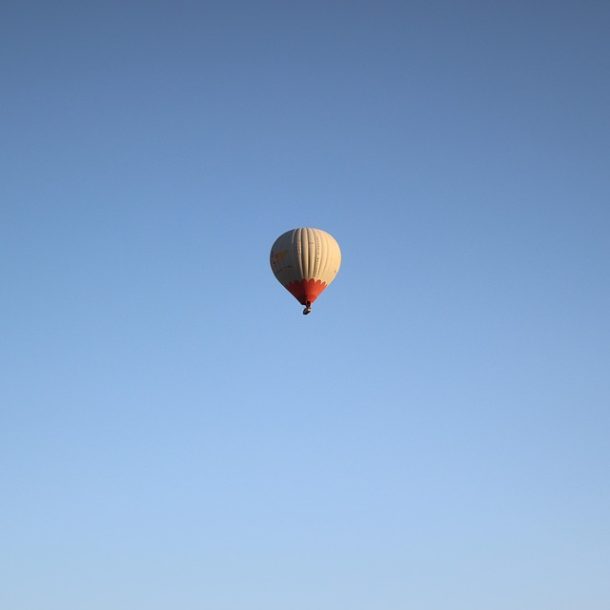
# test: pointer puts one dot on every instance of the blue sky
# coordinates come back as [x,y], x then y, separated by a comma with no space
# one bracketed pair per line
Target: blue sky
[174,433]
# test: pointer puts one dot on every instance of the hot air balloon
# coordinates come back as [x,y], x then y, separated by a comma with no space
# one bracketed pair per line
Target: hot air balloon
[305,261]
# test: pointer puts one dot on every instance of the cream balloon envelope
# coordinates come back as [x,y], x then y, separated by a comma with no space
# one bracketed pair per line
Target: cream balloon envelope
[305,261]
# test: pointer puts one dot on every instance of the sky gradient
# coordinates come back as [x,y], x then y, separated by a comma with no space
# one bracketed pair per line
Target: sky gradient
[175,434]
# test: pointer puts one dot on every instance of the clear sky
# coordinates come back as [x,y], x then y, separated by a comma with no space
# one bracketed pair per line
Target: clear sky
[175,434]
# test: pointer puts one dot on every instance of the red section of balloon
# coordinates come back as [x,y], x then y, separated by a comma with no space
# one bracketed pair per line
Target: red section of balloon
[306,290]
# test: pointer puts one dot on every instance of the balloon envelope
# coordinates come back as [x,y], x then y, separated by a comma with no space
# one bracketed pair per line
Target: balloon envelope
[305,261]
